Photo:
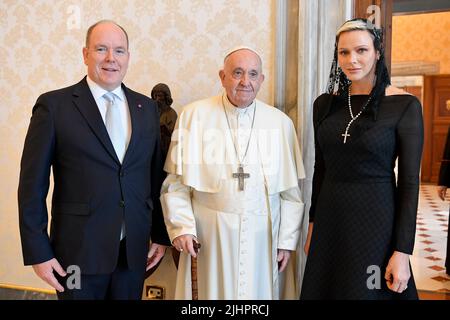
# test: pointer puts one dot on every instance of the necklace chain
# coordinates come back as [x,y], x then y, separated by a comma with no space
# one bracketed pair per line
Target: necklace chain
[232,138]
[353,118]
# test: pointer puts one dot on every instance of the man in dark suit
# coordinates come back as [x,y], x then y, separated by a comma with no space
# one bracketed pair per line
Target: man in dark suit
[443,184]
[102,142]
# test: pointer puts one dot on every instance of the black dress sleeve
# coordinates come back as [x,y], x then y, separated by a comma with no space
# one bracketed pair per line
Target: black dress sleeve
[444,172]
[409,134]
[319,164]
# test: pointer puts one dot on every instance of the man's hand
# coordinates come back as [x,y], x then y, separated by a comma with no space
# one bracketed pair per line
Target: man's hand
[185,243]
[283,259]
[155,254]
[45,269]
[397,272]
[442,190]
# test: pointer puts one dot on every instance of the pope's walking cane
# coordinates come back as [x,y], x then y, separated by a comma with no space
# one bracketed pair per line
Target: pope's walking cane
[194,272]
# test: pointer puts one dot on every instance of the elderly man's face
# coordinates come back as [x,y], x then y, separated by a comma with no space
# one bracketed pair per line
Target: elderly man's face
[242,77]
[107,56]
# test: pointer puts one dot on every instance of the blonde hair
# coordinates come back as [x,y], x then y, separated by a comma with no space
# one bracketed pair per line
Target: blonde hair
[353,25]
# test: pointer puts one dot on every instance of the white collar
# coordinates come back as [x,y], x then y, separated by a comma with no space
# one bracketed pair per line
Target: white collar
[232,109]
[98,91]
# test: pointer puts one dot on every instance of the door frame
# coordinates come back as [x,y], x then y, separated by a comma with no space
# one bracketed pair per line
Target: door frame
[360,8]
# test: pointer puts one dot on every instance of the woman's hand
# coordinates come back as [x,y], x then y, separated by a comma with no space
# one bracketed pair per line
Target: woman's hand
[398,272]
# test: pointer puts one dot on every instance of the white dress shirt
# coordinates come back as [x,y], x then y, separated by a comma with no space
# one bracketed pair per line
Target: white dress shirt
[121,101]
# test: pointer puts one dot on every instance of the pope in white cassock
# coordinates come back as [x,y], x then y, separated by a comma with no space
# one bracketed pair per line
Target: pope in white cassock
[232,185]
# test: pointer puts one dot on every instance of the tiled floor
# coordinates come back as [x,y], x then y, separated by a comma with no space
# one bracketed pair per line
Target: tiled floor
[428,258]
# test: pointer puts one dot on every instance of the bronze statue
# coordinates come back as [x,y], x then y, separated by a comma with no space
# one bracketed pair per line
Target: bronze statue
[167,116]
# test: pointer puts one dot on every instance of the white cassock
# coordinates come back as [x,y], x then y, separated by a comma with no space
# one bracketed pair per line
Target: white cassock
[239,231]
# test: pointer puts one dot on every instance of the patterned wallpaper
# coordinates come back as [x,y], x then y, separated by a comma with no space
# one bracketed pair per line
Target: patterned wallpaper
[179,42]
[422,37]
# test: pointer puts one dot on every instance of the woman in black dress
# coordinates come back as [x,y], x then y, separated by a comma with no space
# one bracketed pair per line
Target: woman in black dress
[363,217]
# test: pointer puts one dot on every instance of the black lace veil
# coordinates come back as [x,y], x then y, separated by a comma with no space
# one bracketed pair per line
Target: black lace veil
[338,83]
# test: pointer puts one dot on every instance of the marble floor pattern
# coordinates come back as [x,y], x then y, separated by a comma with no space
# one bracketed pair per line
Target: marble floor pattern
[428,259]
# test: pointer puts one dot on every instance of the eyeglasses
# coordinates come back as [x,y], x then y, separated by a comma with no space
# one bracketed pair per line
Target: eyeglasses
[117,52]
[238,74]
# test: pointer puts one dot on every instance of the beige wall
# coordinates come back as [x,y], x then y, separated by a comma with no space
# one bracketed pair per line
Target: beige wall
[422,37]
[179,42]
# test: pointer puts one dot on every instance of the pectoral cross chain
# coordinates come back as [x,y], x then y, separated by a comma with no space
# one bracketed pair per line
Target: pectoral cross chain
[241,175]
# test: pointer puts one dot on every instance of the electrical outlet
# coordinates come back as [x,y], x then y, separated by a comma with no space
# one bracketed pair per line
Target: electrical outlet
[155,292]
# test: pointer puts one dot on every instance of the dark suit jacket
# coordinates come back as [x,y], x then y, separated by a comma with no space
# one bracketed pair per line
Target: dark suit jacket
[93,192]
[444,172]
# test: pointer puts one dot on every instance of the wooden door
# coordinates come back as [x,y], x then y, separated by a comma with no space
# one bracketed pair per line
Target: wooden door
[436,112]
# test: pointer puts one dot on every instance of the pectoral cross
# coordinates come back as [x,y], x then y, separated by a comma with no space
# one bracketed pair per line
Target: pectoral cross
[345,135]
[241,175]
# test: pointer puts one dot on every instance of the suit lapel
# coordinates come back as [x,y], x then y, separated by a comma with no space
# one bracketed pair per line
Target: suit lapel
[87,106]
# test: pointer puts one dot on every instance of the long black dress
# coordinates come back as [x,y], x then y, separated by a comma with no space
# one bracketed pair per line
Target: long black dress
[360,213]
